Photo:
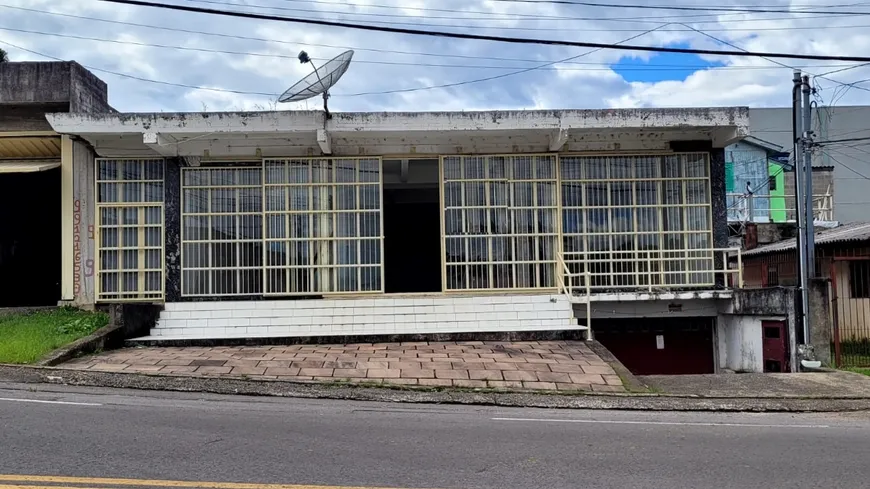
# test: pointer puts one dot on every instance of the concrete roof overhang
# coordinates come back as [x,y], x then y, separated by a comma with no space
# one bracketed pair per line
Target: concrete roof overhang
[237,135]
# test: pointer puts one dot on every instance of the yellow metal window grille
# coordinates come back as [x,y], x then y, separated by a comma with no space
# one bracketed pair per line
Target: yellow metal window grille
[222,231]
[129,207]
[638,221]
[323,226]
[500,221]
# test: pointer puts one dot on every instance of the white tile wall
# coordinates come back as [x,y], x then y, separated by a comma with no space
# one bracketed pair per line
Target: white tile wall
[347,317]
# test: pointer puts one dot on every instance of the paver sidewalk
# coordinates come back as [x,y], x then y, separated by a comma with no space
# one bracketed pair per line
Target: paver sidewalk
[542,365]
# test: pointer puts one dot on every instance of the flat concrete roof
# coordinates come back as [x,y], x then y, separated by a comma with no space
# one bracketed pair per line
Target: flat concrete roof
[289,133]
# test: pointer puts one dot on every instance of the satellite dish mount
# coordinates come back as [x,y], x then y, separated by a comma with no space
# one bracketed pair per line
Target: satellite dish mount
[319,82]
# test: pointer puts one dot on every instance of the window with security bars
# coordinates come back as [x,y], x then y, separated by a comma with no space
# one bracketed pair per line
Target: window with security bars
[222,231]
[129,211]
[638,221]
[500,221]
[323,229]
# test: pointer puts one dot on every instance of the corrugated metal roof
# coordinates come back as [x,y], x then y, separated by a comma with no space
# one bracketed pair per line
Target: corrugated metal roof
[30,147]
[859,231]
[27,166]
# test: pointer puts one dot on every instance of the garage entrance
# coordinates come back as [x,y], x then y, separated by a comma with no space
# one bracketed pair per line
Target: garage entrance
[660,346]
[30,235]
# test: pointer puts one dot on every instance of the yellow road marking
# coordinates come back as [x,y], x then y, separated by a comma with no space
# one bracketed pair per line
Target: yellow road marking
[48,479]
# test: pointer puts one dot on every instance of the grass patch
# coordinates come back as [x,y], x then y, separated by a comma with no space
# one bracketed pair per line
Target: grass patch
[25,338]
[863,371]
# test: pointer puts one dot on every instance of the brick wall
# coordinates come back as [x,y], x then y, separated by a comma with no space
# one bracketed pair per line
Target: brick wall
[823,180]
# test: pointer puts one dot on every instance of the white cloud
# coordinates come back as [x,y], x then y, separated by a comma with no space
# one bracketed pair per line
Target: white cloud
[378,63]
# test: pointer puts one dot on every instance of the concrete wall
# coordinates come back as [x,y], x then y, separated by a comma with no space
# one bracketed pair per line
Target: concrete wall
[753,305]
[650,309]
[740,343]
[83,246]
[823,181]
[851,203]
[29,90]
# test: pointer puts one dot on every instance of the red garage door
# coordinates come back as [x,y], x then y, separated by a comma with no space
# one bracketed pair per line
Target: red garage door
[660,346]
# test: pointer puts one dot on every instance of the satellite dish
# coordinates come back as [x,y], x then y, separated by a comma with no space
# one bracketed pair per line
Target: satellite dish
[318,82]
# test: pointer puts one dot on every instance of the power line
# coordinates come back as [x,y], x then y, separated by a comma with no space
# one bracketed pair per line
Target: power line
[847,140]
[456,35]
[646,19]
[496,77]
[387,92]
[669,7]
[280,41]
[139,78]
[856,172]
[604,66]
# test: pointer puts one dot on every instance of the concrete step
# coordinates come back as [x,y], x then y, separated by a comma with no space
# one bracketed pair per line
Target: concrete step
[365,316]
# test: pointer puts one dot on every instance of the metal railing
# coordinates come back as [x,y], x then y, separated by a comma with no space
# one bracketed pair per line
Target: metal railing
[585,272]
[776,208]
[565,280]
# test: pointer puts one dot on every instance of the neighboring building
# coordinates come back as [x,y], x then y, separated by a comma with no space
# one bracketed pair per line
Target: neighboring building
[751,171]
[36,176]
[843,258]
[850,162]
[759,178]
[508,221]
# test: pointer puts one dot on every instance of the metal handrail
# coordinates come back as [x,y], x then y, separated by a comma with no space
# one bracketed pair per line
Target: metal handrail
[653,276]
[746,207]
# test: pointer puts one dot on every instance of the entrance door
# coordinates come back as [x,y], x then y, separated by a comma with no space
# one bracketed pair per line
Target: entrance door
[30,241]
[412,244]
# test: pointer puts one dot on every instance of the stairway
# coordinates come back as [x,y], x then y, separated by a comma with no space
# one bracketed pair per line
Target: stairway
[385,315]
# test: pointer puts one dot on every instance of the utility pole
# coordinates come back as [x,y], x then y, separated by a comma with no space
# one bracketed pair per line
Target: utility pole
[800,202]
[807,139]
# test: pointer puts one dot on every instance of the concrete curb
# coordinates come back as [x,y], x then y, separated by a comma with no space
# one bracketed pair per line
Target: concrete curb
[107,337]
[634,402]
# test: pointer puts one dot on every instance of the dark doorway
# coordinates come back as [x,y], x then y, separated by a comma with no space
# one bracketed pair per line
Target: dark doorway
[659,346]
[30,239]
[412,240]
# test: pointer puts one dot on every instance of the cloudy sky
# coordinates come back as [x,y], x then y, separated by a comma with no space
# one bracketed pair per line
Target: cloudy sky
[242,64]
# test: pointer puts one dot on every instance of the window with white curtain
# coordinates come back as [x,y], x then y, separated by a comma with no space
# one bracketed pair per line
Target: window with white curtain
[129,208]
[638,221]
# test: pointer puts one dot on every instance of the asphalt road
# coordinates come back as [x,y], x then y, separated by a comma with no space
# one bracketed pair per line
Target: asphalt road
[159,437]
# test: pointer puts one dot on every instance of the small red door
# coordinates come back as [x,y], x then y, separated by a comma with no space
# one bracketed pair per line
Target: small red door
[774,346]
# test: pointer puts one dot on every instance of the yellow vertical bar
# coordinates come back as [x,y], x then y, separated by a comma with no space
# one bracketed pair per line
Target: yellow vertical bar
[443,222]
[264,243]
[584,177]
[181,216]
[487,161]
[67,209]
[536,237]
[333,272]
[509,173]
[609,176]
[210,221]
[98,276]
[635,227]
[311,270]
[660,190]
[467,247]
[381,212]
[358,241]
[684,169]
[140,252]
[559,218]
